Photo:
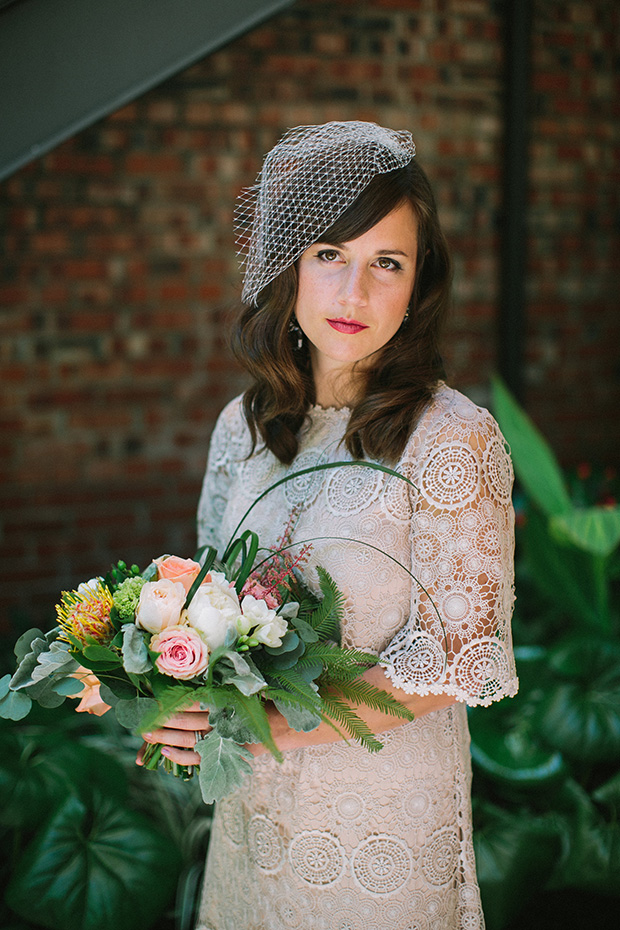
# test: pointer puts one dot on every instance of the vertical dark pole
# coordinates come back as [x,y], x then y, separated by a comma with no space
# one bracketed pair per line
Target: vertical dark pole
[511,323]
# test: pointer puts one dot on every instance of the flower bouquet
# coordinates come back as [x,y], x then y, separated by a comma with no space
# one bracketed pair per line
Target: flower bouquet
[231,634]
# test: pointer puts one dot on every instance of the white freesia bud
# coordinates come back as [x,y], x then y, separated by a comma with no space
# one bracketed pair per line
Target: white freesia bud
[160,605]
[269,626]
[214,610]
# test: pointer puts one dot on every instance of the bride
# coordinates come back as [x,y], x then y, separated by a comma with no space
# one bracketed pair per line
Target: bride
[346,287]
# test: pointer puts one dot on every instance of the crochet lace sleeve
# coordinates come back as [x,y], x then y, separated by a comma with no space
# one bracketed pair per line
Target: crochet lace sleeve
[457,639]
[227,447]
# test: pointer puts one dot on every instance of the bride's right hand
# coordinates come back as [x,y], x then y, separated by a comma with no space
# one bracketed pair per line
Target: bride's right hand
[179,736]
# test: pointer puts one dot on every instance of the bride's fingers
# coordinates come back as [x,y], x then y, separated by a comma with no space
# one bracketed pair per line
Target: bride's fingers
[140,756]
[182,756]
[189,720]
[184,739]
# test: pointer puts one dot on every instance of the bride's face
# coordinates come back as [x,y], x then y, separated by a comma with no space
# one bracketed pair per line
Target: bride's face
[352,296]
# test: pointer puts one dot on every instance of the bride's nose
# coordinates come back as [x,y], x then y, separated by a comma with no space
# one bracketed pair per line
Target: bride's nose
[354,286]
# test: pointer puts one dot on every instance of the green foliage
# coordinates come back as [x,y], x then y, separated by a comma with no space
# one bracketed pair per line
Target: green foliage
[82,855]
[547,785]
[224,764]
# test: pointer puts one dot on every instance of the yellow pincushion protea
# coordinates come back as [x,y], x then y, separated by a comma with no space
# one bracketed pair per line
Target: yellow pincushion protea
[85,614]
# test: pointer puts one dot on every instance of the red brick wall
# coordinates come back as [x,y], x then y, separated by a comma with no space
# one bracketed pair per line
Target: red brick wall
[118,273]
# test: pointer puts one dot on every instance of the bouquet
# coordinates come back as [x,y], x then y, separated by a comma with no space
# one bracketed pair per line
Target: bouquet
[230,634]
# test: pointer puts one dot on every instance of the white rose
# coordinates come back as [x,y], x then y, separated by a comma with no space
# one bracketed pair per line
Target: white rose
[270,627]
[160,605]
[214,610]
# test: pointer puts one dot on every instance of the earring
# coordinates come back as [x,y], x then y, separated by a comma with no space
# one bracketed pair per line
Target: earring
[406,317]
[295,330]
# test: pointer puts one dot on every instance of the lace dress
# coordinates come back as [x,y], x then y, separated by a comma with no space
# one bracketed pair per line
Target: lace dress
[336,838]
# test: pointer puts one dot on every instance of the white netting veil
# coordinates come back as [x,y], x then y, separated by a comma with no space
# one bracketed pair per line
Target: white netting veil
[308,179]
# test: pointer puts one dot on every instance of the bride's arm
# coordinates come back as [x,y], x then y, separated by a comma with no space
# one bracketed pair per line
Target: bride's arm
[179,736]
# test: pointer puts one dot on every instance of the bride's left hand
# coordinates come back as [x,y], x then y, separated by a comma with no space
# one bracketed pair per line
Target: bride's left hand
[179,736]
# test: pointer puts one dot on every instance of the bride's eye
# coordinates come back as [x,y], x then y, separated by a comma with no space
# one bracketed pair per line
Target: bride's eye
[328,255]
[388,263]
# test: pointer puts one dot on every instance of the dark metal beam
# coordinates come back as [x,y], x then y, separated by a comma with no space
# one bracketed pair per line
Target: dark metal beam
[66,63]
[512,315]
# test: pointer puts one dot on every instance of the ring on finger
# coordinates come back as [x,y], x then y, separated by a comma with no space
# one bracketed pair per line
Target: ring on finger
[199,734]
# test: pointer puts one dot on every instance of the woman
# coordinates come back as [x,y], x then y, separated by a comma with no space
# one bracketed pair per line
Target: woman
[346,288]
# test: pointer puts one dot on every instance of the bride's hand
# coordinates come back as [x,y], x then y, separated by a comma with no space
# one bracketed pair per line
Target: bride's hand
[179,736]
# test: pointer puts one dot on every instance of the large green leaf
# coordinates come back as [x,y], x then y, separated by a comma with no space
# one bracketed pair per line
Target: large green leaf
[94,867]
[514,857]
[570,578]
[591,846]
[504,740]
[37,772]
[534,462]
[595,529]
[580,717]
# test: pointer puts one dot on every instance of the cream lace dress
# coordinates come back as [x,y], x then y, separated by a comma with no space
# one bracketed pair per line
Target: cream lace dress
[336,838]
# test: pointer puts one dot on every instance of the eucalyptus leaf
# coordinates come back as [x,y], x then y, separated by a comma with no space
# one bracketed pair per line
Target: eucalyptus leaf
[534,462]
[15,705]
[69,687]
[224,765]
[131,713]
[136,659]
[300,719]
[114,689]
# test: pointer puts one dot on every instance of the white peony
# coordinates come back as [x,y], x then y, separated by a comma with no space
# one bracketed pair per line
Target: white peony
[270,627]
[214,610]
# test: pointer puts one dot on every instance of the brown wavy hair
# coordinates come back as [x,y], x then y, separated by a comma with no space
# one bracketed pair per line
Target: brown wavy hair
[404,373]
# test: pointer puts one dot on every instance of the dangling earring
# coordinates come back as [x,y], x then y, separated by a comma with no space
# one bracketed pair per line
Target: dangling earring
[406,317]
[295,330]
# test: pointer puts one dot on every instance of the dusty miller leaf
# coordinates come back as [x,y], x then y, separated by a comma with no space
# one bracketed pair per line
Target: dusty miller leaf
[224,765]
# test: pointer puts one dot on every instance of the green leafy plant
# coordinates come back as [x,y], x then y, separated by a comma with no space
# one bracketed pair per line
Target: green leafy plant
[547,786]
[88,841]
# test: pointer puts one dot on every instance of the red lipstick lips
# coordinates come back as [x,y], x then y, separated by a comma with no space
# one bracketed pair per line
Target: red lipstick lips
[347,326]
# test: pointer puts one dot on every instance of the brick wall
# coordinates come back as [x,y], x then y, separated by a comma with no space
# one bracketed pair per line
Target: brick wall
[118,273]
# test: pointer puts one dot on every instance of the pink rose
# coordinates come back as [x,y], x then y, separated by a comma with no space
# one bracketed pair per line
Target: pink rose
[160,605]
[183,571]
[90,702]
[183,654]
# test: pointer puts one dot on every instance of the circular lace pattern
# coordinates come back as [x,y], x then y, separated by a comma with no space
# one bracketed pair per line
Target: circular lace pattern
[230,812]
[482,668]
[498,470]
[289,913]
[317,857]
[381,864]
[349,806]
[352,490]
[302,491]
[422,662]
[265,844]
[451,475]
[440,857]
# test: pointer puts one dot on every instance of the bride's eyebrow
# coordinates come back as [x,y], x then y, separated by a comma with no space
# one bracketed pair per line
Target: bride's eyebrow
[342,245]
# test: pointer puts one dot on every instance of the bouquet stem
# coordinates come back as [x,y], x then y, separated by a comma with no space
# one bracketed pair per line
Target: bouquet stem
[153,758]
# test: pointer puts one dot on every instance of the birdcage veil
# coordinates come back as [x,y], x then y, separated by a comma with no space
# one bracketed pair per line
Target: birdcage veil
[310,177]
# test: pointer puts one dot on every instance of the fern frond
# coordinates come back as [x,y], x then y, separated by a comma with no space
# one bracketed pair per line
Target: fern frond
[362,692]
[340,663]
[328,615]
[290,680]
[343,713]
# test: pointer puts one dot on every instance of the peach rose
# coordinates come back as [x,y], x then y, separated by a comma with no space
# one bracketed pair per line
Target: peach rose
[182,652]
[90,702]
[183,571]
[160,605]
